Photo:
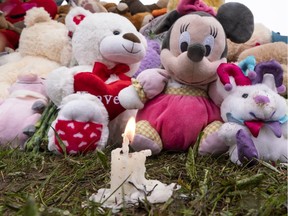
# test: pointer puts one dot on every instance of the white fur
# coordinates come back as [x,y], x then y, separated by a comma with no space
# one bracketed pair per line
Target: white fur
[129,98]
[99,37]
[269,147]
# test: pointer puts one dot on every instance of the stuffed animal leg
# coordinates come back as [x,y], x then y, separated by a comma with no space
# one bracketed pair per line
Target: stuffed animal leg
[81,125]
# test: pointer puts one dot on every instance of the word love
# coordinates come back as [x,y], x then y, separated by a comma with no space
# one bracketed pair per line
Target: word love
[106,99]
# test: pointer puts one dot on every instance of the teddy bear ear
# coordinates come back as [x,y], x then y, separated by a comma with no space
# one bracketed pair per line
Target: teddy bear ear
[36,15]
[237,21]
[75,16]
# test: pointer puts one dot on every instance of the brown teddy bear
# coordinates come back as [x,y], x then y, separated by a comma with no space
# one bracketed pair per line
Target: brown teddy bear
[261,35]
[134,11]
[94,6]
[264,45]
[270,51]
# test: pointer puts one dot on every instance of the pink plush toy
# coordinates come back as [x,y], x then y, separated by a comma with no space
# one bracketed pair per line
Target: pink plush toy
[21,110]
[176,103]
[255,116]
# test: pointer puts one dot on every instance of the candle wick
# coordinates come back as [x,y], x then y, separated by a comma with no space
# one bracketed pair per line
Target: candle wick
[121,152]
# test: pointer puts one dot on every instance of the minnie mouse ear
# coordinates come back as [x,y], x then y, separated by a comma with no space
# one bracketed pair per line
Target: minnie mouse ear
[75,16]
[237,21]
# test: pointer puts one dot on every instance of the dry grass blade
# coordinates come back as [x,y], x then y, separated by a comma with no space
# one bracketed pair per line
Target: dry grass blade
[54,185]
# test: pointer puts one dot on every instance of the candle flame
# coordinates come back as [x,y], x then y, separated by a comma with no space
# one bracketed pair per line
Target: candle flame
[129,131]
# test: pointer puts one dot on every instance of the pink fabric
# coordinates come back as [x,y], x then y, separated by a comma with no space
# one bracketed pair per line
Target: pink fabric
[79,137]
[225,70]
[188,6]
[179,119]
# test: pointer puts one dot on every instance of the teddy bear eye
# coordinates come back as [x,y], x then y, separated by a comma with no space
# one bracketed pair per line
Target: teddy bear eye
[116,32]
[245,95]
[184,41]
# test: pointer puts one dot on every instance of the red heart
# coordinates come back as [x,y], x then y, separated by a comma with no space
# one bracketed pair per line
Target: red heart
[107,93]
[79,137]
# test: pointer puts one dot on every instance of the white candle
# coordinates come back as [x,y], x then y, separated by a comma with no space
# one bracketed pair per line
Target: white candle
[128,183]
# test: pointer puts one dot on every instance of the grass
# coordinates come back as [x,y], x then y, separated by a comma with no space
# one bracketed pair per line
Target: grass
[40,183]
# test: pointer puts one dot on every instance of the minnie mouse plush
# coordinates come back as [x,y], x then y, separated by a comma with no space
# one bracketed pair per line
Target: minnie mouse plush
[176,103]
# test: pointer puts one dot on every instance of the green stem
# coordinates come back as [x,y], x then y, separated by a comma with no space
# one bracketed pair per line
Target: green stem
[42,127]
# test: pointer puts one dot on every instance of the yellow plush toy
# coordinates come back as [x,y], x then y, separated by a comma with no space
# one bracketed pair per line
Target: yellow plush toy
[44,45]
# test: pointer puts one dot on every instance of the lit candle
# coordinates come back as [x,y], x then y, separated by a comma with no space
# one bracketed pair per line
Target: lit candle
[128,183]
[128,135]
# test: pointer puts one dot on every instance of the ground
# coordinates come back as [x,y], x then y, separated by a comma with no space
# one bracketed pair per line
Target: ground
[40,183]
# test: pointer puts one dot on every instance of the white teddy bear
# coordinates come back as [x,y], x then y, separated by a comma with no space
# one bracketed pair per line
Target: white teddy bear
[255,117]
[108,50]
[44,45]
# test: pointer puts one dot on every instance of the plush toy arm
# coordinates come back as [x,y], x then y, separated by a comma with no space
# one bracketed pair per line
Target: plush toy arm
[148,84]
[59,83]
[129,98]
[153,81]
[217,92]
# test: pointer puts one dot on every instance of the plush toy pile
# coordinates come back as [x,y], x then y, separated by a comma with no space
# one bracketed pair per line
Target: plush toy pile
[181,68]
[176,103]
[37,53]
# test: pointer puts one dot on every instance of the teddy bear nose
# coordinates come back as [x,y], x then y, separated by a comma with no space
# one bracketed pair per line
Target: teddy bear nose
[261,99]
[196,52]
[132,37]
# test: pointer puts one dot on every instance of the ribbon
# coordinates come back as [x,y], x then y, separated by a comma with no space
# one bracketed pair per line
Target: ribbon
[255,125]
[187,6]
[104,73]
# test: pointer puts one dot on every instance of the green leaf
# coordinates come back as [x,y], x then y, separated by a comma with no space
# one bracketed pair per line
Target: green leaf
[30,207]
[190,165]
[103,158]
[61,143]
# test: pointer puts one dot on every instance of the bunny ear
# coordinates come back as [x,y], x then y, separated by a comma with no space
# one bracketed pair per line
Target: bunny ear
[270,67]
[225,70]
[75,16]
